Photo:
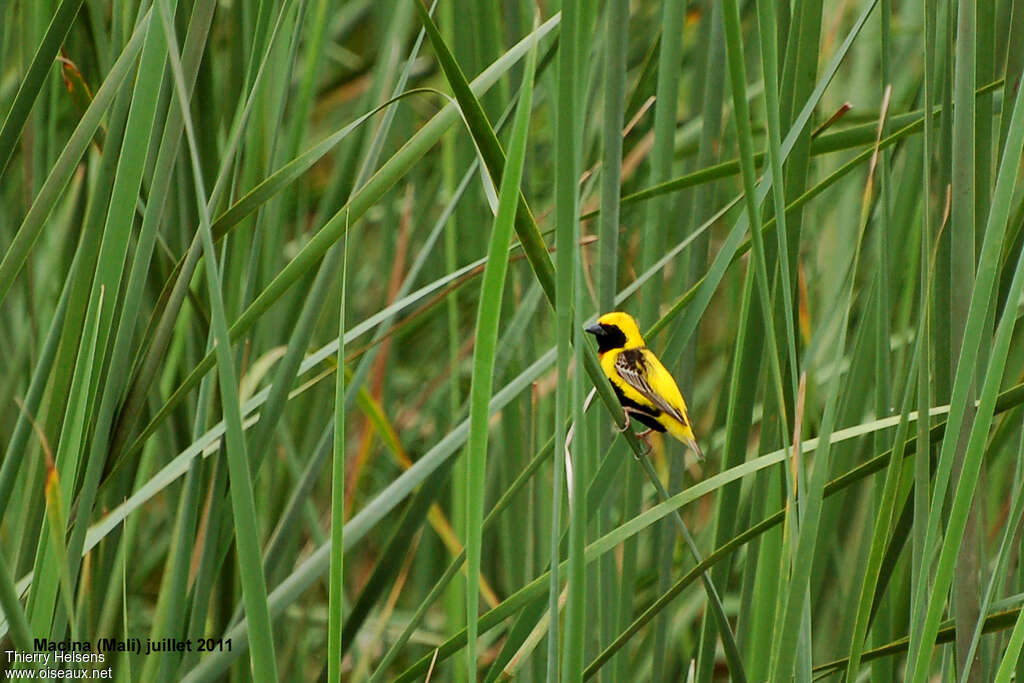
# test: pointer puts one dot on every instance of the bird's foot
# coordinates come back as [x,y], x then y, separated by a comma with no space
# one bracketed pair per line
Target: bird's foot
[640,435]
[643,438]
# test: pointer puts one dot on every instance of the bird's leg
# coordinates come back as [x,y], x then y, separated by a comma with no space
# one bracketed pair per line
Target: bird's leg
[641,435]
[624,427]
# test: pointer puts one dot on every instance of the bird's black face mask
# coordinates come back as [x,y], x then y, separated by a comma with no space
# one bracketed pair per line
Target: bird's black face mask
[608,337]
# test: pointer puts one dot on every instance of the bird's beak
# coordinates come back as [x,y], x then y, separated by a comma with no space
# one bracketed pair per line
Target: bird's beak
[594,329]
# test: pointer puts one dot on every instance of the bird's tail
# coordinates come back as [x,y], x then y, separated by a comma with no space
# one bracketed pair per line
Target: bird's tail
[684,432]
[695,447]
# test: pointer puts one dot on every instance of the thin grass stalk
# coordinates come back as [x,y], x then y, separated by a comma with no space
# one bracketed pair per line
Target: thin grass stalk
[883,311]
[1009,662]
[455,597]
[108,275]
[705,290]
[656,226]
[703,209]
[616,34]
[1011,529]
[61,171]
[566,179]
[491,293]
[800,66]
[1007,400]
[57,570]
[57,525]
[155,207]
[738,79]
[175,619]
[784,647]
[922,468]
[35,77]
[582,619]
[732,653]
[14,613]
[883,522]
[361,202]
[965,597]
[34,395]
[254,166]
[768,40]
[1013,68]
[995,229]
[309,570]
[148,359]
[337,569]
[736,61]
[251,569]
[169,614]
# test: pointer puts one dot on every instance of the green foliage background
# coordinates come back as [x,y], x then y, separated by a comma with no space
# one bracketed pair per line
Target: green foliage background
[204,205]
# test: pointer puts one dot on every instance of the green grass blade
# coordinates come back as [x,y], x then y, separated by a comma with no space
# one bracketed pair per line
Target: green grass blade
[335,602]
[251,568]
[965,596]
[920,656]
[309,571]
[567,159]
[31,86]
[491,291]
[34,221]
[995,228]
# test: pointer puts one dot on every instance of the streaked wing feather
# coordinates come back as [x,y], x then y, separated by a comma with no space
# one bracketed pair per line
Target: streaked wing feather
[635,375]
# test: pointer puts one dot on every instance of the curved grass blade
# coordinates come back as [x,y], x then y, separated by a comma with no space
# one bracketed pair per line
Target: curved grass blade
[64,166]
[35,78]
[360,202]
[308,572]
[491,294]
[49,571]
[997,621]
[920,652]
[254,589]
[336,582]
[1011,529]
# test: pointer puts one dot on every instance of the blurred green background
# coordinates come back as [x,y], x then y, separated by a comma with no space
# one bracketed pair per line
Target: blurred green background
[204,205]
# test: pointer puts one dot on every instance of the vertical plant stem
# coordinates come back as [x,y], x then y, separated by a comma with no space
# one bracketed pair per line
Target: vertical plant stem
[922,465]
[337,571]
[614,589]
[567,156]
[658,216]
[962,242]
[254,590]
[491,293]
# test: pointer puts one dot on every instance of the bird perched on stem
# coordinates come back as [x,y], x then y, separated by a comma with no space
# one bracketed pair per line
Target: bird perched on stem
[645,388]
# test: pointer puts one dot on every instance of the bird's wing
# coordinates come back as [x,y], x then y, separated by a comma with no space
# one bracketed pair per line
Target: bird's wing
[641,369]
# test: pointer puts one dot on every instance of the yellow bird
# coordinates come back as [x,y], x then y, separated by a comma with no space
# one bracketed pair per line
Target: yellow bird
[645,388]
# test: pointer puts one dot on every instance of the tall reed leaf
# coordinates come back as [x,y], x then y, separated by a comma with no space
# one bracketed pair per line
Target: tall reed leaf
[491,292]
